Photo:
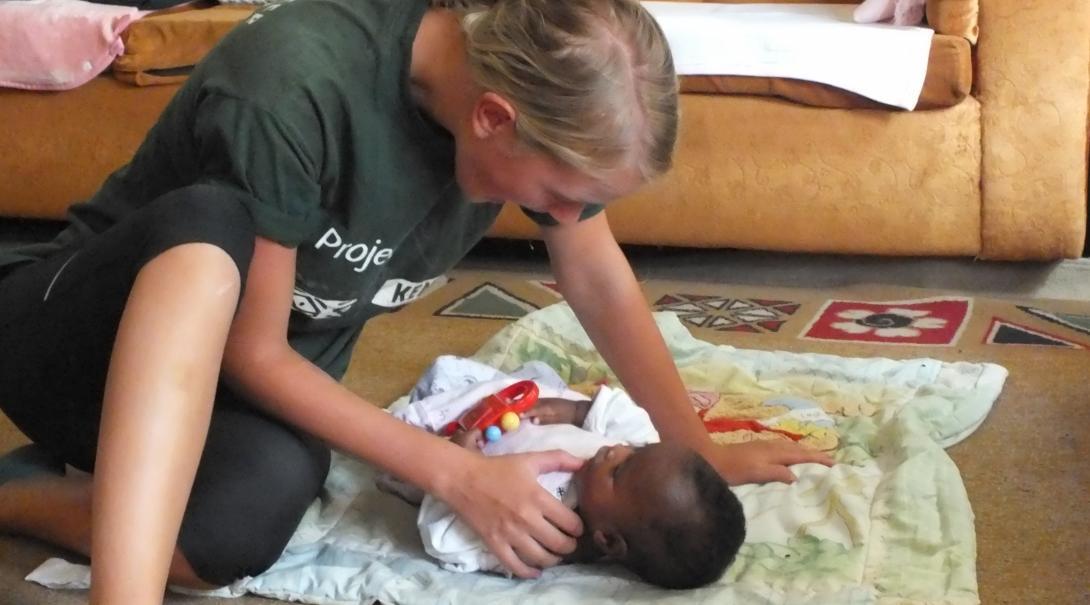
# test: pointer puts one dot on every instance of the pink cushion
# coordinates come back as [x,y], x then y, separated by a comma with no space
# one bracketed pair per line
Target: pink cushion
[58,44]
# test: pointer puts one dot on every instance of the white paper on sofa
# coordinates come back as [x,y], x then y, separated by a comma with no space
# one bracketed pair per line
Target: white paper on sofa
[813,42]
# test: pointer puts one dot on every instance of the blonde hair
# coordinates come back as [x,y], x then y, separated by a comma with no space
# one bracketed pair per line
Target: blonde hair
[592,81]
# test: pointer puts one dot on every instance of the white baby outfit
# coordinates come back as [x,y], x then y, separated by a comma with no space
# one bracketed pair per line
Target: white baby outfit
[453,385]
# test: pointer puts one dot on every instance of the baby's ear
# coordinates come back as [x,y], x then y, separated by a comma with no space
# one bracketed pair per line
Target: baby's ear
[611,544]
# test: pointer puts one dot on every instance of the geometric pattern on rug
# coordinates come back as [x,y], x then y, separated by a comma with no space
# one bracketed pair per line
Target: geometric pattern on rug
[754,315]
[488,301]
[1079,323]
[935,321]
[548,286]
[1003,332]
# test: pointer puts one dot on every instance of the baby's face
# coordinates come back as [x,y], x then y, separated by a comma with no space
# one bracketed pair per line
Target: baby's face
[625,486]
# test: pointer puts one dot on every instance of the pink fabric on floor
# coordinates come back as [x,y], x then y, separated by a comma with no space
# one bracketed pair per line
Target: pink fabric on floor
[59,44]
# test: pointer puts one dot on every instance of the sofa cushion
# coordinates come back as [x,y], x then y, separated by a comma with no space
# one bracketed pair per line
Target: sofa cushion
[161,48]
[62,145]
[949,80]
[954,18]
[765,174]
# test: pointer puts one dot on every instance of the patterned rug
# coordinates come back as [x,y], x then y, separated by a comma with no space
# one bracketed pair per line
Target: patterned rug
[1024,468]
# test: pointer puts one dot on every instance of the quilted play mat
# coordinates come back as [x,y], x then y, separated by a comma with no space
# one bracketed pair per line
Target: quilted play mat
[890,523]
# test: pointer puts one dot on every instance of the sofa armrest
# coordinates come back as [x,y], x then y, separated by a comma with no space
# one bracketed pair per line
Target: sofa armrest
[1033,80]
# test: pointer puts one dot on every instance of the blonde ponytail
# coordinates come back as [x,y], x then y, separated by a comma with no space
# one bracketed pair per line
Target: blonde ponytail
[592,80]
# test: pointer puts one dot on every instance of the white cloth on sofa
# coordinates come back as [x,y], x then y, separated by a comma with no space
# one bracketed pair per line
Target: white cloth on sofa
[813,42]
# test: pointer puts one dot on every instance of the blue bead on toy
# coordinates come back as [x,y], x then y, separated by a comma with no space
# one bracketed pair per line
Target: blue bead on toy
[492,433]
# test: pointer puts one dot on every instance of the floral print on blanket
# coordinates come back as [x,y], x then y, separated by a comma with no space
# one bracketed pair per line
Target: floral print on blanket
[891,522]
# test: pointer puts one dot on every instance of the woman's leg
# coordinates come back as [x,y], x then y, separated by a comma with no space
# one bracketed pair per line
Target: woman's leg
[57,510]
[128,331]
[158,401]
[255,481]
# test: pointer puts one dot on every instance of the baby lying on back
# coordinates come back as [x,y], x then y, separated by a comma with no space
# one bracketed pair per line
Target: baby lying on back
[658,509]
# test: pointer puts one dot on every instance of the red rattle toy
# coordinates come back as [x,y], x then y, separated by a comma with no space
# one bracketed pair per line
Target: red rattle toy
[496,411]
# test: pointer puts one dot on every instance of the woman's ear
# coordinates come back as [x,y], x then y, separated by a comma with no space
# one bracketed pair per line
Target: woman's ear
[611,544]
[492,114]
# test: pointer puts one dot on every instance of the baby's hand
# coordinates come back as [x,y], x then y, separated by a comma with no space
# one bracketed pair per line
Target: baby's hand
[554,410]
[471,440]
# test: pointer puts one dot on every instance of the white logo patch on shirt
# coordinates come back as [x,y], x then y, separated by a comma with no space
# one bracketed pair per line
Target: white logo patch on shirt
[361,255]
[399,292]
[319,308]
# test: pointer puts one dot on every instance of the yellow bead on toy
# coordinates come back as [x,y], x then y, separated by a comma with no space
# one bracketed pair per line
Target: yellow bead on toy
[509,421]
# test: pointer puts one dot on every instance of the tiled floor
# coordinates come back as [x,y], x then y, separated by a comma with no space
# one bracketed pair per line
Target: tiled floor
[1065,280]
[1068,279]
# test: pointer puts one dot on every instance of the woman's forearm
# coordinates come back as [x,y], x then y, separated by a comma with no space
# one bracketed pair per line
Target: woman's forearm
[296,391]
[598,283]
[628,339]
[259,362]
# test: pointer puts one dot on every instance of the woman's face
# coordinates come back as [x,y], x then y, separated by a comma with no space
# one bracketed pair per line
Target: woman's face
[494,167]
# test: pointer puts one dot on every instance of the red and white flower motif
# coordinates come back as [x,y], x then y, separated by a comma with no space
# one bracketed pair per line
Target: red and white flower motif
[893,322]
[927,321]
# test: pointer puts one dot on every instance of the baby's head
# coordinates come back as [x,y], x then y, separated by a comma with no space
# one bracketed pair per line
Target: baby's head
[662,511]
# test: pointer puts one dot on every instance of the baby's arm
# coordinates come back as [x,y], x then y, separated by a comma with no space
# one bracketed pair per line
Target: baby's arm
[470,440]
[611,413]
[614,414]
[556,410]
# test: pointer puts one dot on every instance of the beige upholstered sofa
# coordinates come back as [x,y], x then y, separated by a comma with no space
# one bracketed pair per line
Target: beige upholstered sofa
[1000,173]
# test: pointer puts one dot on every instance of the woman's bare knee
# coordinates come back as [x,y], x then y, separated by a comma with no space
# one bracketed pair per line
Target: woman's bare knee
[195,269]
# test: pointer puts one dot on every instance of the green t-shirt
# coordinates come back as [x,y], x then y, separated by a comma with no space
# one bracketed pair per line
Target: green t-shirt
[306,108]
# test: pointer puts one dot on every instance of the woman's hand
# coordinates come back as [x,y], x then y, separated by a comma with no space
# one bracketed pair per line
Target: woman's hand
[555,410]
[761,461]
[521,523]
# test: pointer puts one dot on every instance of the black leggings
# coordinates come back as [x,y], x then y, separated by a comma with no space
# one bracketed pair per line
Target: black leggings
[58,321]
